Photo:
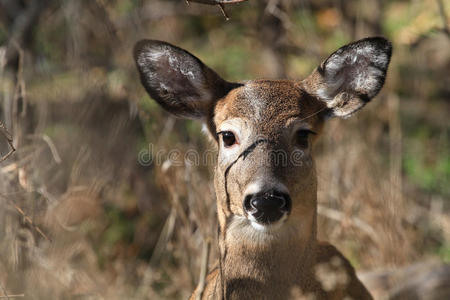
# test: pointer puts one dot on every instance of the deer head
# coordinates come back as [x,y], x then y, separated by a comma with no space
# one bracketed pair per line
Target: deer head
[264,129]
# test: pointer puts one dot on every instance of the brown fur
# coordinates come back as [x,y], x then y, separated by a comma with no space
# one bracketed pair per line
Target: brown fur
[330,267]
[283,266]
[282,260]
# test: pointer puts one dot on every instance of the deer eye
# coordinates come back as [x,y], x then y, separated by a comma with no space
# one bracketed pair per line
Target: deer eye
[228,138]
[301,137]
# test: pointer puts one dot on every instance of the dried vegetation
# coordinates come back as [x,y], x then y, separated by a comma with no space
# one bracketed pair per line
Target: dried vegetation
[86,214]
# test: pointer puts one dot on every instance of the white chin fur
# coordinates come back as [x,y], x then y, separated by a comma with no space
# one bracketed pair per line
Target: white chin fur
[244,230]
[267,227]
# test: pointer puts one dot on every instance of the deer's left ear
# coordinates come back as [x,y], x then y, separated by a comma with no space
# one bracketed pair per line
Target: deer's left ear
[351,76]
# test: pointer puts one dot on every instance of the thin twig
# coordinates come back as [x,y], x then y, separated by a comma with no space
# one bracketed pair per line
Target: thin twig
[215,2]
[339,216]
[4,291]
[222,9]
[12,296]
[29,221]
[164,237]
[53,149]
[220,3]
[160,248]
[9,140]
[204,268]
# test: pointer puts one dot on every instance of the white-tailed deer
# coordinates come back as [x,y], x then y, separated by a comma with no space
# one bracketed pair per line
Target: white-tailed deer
[265,180]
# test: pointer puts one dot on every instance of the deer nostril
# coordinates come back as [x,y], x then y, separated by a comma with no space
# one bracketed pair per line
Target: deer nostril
[247,203]
[283,199]
[282,202]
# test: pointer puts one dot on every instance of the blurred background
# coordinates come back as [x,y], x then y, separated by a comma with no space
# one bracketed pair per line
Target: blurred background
[86,212]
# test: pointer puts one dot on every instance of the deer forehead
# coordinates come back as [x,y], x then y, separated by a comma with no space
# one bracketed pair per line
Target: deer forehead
[268,106]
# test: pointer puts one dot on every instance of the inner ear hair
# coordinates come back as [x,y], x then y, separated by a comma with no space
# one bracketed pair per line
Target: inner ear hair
[178,80]
[351,76]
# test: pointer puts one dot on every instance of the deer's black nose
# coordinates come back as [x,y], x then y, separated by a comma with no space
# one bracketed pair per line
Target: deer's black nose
[268,206]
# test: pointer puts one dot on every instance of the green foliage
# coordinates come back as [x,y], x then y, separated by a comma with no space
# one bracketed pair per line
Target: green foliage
[120,228]
[426,167]
[232,62]
[444,252]
[119,231]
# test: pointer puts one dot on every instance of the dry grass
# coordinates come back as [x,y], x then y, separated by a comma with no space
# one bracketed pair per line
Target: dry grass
[80,218]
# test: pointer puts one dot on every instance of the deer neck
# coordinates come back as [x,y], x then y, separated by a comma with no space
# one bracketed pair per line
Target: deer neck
[256,264]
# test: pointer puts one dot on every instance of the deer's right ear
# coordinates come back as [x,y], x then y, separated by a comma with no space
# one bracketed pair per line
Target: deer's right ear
[177,80]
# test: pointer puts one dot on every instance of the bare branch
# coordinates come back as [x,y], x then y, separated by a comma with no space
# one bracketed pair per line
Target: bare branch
[216,2]
[220,3]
